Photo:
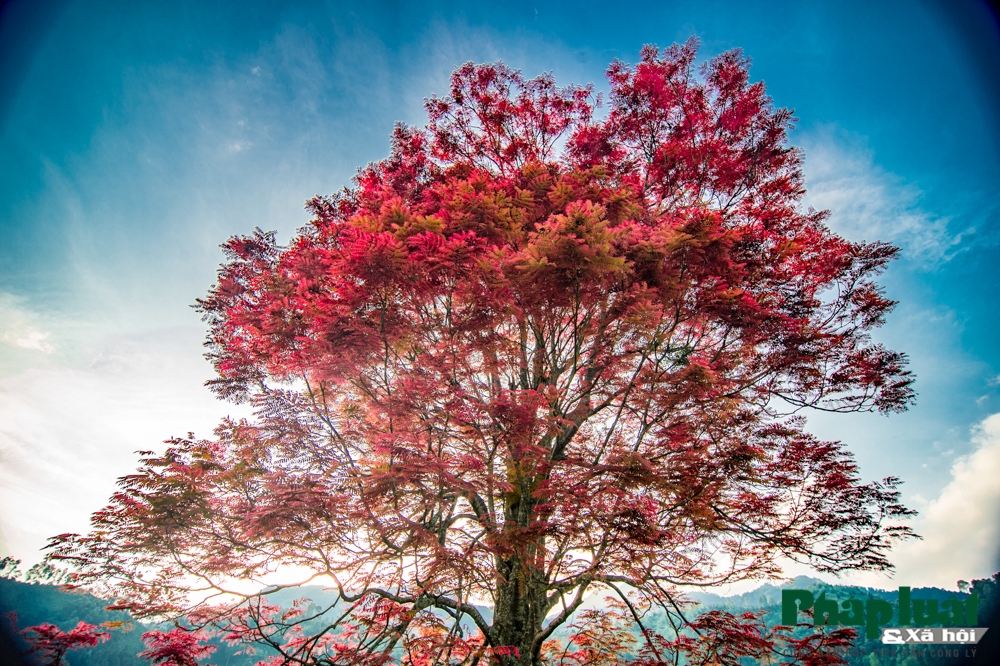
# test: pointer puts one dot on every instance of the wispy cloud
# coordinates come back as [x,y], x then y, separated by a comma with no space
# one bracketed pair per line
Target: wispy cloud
[20,328]
[869,203]
[961,526]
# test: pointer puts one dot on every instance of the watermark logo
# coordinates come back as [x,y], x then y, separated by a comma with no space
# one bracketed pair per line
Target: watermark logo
[915,623]
[932,636]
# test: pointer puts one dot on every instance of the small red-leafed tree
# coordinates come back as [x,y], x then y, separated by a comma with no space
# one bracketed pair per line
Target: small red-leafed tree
[49,644]
[177,647]
[531,355]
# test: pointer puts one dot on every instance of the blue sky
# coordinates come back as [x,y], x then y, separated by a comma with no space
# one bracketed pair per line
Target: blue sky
[135,137]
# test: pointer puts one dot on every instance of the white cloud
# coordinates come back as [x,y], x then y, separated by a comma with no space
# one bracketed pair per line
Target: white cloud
[961,527]
[19,328]
[30,339]
[869,203]
[69,430]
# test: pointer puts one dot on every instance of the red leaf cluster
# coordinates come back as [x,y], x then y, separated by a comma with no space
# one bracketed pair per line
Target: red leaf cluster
[49,644]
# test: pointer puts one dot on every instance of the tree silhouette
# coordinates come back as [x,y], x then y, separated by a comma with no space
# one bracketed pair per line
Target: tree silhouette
[531,355]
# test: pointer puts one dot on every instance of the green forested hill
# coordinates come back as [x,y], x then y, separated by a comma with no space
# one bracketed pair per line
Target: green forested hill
[35,603]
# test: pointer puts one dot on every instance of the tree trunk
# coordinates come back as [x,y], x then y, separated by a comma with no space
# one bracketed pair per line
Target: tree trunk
[519,613]
[521,587]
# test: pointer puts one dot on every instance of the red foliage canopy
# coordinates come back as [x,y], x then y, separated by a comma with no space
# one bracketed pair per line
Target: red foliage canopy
[530,353]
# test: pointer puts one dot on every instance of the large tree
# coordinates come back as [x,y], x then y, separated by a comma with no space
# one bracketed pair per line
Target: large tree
[531,355]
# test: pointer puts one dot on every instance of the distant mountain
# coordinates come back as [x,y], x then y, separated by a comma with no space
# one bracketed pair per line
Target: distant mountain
[768,591]
[769,594]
